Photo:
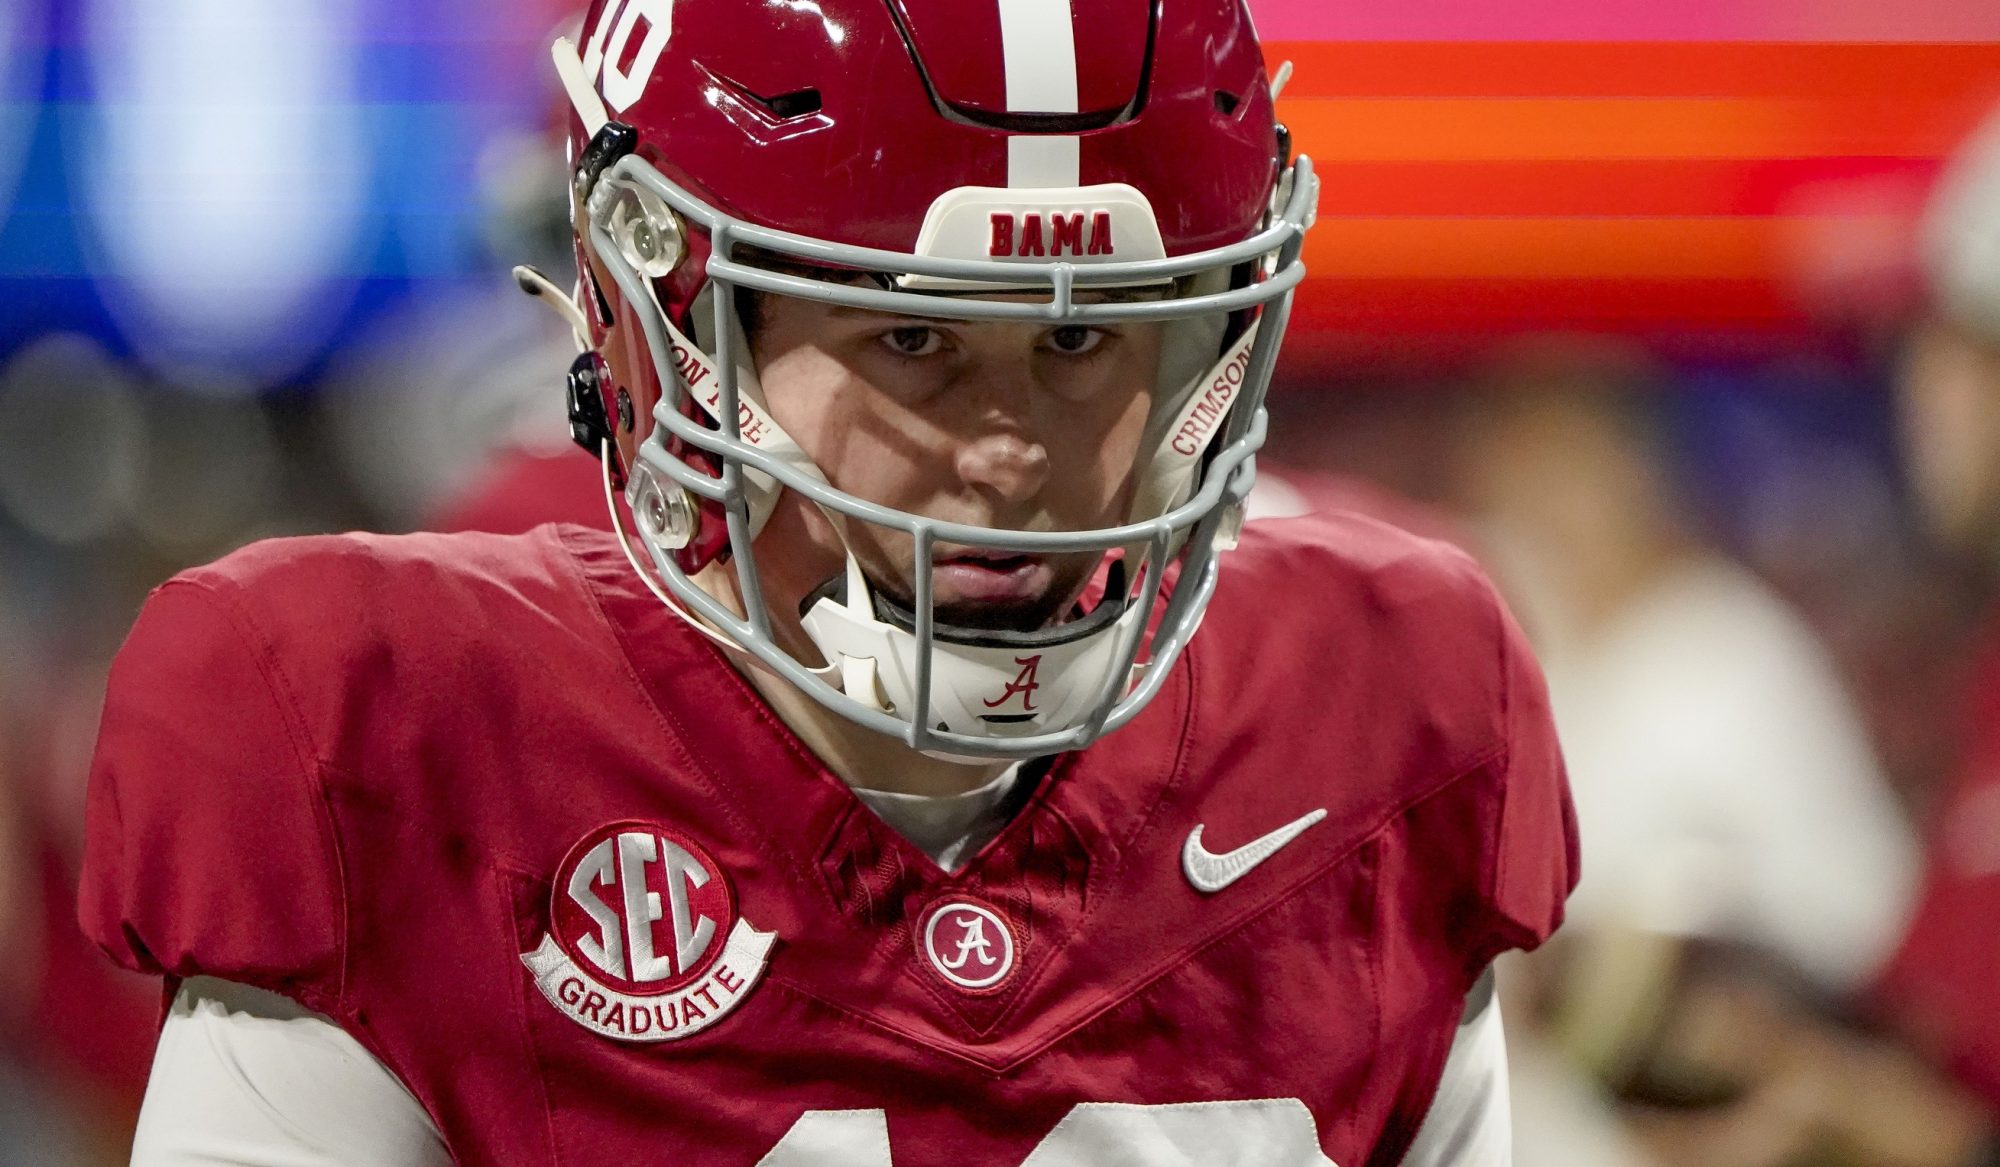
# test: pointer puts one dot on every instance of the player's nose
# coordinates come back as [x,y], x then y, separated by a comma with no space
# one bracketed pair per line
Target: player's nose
[1007,466]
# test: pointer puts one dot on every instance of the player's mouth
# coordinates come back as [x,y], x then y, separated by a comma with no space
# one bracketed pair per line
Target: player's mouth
[991,577]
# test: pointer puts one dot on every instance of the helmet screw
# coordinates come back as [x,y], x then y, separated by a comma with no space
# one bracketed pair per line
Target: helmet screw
[668,515]
[678,529]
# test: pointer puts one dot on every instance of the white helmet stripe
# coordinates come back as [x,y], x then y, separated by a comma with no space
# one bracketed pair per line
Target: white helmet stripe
[1038,48]
[1038,54]
[1043,161]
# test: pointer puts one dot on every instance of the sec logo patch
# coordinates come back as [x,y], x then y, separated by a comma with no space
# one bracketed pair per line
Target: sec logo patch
[644,942]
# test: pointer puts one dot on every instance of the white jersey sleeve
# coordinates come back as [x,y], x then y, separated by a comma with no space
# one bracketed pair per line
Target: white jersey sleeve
[1469,1124]
[252,1079]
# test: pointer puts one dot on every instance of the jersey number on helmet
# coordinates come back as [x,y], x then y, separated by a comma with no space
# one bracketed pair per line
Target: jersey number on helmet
[604,59]
[1263,1132]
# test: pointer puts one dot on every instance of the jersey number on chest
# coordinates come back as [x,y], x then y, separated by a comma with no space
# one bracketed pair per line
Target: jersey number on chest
[1263,1132]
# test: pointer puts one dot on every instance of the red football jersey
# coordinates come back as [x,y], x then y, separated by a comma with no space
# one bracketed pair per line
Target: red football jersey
[486,803]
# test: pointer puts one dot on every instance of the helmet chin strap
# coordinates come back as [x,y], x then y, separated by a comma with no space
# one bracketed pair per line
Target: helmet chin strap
[992,683]
[576,85]
[564,304]
[701,379]
[1203,405]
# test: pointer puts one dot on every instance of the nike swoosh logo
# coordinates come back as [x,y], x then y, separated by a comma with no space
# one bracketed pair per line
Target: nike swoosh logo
[1209,872]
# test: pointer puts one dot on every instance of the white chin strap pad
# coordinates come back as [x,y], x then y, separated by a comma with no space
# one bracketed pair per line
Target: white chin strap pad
[975,690]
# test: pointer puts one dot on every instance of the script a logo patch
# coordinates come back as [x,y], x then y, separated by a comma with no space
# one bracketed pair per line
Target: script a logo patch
[969,944]
[644,942]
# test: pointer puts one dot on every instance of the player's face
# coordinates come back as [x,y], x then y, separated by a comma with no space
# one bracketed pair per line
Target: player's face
[996,424]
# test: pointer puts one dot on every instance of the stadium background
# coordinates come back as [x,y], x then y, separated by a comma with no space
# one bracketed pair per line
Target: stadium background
[252,259]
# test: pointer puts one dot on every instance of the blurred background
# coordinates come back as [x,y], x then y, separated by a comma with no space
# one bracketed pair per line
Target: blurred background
[1684,317]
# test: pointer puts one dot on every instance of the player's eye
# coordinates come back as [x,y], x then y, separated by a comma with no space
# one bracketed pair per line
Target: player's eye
[914,340]
[1074,340]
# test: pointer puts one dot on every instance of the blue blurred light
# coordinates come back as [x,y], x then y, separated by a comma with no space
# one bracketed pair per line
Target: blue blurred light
[233,189]
[22,60]
[224,176]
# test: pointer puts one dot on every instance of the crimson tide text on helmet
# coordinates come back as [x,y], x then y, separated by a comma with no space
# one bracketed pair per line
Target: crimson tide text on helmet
[998,160]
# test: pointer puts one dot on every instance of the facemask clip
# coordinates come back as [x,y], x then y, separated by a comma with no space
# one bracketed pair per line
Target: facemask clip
[612,141]
[589,423]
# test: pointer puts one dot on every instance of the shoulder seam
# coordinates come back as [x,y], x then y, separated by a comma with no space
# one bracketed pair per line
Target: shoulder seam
[1503,755]
[231,609]
[305,751]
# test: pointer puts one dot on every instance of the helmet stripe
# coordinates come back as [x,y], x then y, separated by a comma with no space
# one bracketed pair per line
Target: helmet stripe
[1043,160]
[1038,48]
[1038,55]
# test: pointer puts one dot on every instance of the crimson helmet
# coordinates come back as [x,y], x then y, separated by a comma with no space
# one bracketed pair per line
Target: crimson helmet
[999,160]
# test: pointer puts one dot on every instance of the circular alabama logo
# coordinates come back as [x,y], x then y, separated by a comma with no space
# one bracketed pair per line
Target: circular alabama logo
[644,940]
[968,944]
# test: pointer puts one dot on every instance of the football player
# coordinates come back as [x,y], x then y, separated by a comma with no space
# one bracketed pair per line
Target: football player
[871,798]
